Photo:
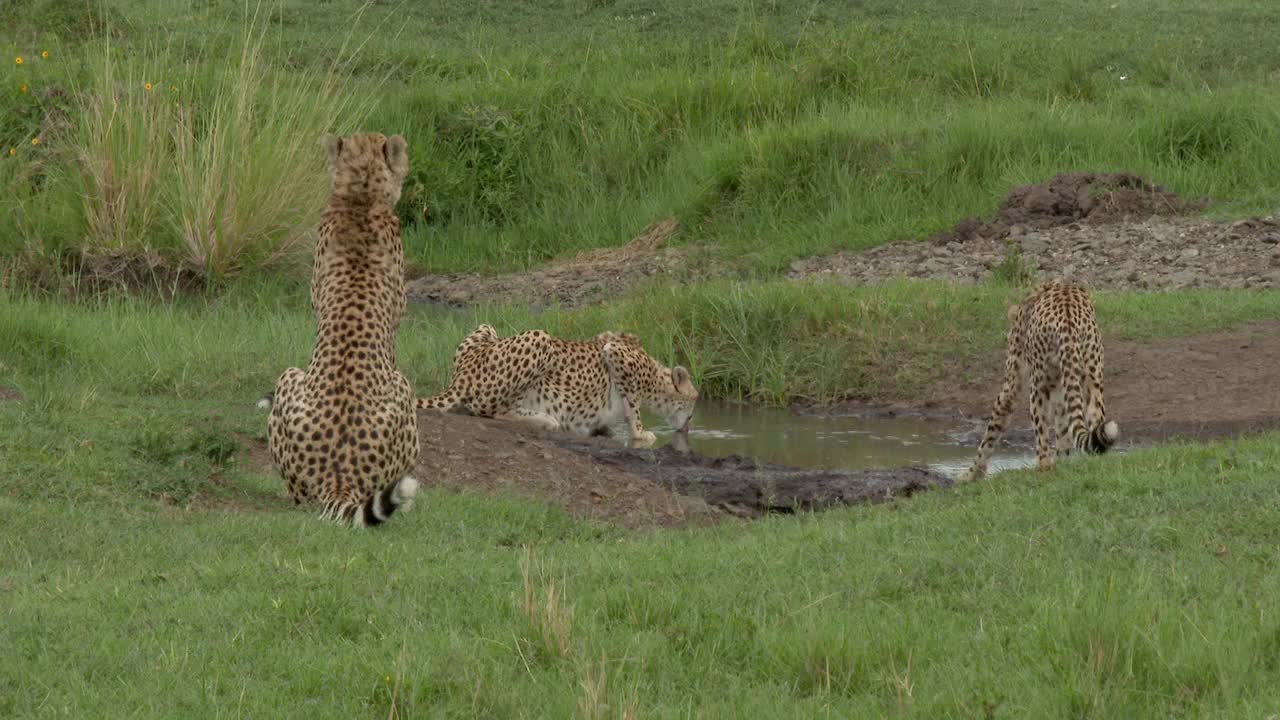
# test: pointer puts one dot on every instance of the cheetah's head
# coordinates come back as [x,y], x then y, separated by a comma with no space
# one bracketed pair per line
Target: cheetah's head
[367,167]
[668,392]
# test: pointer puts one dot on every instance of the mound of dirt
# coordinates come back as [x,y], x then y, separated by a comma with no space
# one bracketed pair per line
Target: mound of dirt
[1159,254]
[1069,198]
[1114,231]
[583,278]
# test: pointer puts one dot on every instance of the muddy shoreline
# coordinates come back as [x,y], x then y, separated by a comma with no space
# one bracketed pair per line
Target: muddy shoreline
[596,479]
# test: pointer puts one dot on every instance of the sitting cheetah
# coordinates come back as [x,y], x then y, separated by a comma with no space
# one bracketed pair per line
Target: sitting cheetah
[344,431]
[1053,344]
[591,387]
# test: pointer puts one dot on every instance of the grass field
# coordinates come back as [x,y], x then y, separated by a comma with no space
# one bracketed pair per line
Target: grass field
[147,570]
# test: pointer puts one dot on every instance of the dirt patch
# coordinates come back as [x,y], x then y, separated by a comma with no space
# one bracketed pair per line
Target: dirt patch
[10,394]
[1202,387]
[588,277]
[475,455]
[1106,231]
[1158,254]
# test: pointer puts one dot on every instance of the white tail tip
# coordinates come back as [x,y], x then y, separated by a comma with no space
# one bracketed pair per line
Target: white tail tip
[1111,431]
[404,492]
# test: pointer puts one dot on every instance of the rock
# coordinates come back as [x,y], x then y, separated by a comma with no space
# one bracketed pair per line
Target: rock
[1184,279]
[933,266]
[1034,244]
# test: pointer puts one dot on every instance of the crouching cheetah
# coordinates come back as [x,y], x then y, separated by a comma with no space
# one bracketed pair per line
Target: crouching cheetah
[344,431]
[591,387]
[1053,344]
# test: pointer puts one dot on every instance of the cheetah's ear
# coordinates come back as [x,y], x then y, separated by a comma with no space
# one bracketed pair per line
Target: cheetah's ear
[396,153]
[333,147]
[681,379]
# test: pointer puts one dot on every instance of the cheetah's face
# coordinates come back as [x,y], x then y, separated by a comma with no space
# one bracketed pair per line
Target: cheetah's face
[674,398]
[367,167]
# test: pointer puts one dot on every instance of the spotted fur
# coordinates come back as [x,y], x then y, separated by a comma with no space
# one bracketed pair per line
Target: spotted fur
[592,387]
[344,431]
[1055,352]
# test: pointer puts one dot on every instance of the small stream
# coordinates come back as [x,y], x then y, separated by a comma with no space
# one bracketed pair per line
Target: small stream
[775,435]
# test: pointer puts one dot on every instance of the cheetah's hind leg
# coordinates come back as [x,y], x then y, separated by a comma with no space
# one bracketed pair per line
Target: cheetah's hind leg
[534,418]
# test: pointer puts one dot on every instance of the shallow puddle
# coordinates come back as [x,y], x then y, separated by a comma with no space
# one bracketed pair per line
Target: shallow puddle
[778,436]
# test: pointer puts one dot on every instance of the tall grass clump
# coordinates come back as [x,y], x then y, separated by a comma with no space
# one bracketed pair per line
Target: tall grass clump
[211,162]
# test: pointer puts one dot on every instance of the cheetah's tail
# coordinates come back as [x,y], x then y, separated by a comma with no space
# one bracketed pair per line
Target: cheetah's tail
[444,402]
[1103,437]
[264,402]
[378,508]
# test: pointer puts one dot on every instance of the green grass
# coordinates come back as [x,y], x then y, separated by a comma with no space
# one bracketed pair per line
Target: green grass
[772,130]
[146,570]
[774,342]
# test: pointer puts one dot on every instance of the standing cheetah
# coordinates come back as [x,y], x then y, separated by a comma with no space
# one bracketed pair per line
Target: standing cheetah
[1054,345]
[344,431]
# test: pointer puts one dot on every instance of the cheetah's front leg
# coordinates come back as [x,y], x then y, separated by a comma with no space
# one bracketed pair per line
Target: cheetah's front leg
[999,416]
[639,437]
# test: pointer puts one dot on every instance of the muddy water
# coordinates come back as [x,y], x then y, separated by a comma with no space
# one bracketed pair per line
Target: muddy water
[779,436]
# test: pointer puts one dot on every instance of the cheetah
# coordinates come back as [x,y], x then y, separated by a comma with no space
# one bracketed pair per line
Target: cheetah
[591,387]
[1053,344]
[344,430]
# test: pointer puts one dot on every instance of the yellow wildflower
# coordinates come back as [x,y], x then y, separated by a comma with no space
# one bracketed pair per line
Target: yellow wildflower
[35,141]
[147,87]
[387,679]
[17,60]
[22,88]
[44,54]
[13,151]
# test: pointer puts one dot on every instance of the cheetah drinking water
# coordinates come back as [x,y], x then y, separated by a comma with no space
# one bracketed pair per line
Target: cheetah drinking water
[1054,351]
[587,387]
